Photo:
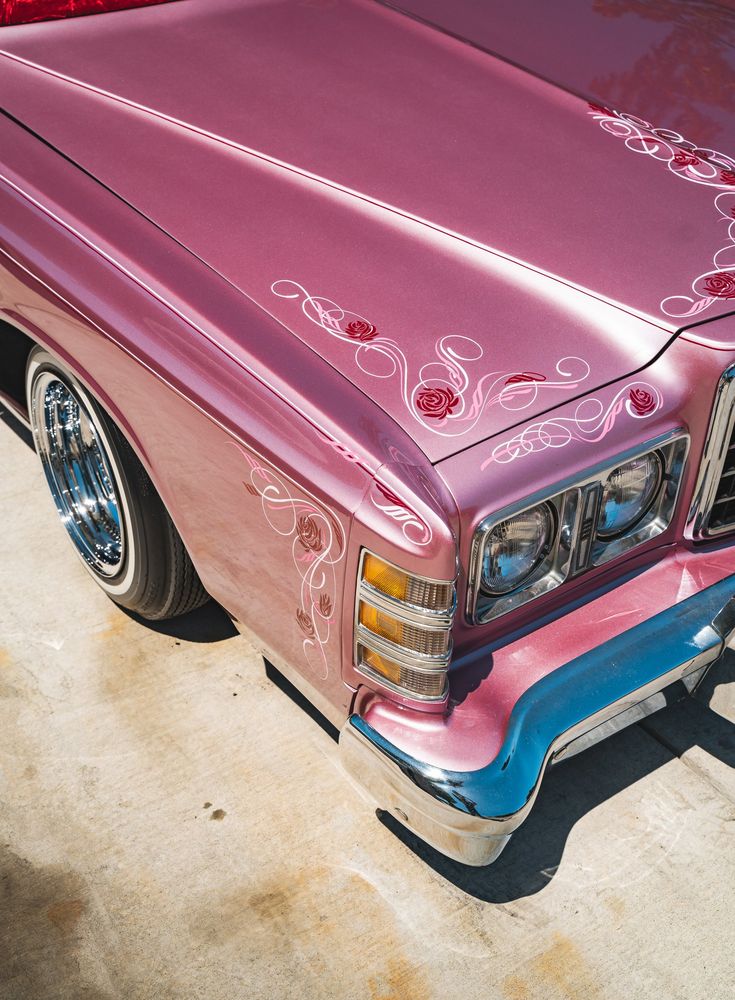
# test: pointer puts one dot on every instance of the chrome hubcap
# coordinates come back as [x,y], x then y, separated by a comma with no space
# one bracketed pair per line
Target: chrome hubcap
[79,473]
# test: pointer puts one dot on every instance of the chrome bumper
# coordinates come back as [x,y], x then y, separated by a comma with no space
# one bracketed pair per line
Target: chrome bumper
[469,816]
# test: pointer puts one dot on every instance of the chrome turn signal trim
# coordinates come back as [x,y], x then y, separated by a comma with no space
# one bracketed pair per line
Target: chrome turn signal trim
[399,654]
[407,613]
[403,666]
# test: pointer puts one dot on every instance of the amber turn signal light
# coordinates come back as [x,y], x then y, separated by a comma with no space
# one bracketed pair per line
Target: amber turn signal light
[403,627]
[415,590]
[430,684]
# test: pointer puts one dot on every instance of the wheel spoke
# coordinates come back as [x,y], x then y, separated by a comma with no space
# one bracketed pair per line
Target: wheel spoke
[79,473]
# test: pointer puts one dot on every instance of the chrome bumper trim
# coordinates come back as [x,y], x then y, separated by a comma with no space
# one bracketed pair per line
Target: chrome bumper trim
[469,816]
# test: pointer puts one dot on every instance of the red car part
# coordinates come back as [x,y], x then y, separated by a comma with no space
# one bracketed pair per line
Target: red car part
[24,11]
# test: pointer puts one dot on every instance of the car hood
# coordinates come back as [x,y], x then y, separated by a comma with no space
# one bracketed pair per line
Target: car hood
[467,243]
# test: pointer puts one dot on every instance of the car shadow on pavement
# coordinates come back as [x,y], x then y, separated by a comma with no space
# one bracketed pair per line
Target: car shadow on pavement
[210,623]
[721,676]
[286,687]
[576,787]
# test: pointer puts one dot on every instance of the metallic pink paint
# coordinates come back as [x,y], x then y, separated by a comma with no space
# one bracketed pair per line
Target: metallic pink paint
[515,231]
[669,61]
[689,162]
[455,220]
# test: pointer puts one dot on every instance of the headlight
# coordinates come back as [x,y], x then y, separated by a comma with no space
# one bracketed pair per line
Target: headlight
[525,551]
[514,548]
[628,493]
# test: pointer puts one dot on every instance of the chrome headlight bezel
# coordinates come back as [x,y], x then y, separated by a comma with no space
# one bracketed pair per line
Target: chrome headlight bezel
[576,548]
[546,576]
[543,545]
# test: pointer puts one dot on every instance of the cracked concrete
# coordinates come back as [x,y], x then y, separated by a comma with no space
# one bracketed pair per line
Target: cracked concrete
[174,824]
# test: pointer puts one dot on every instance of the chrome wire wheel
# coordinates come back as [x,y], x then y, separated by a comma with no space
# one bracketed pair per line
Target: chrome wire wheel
[105,498]
[79,473]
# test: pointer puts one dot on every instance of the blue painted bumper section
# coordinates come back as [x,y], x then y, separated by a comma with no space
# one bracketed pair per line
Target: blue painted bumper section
[470,815]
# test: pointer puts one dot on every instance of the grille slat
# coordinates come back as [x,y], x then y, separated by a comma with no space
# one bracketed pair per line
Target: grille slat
[722,514]
[713,505]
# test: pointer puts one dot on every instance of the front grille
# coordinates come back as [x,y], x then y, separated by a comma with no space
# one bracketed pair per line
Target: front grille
[713,504]
[723,505]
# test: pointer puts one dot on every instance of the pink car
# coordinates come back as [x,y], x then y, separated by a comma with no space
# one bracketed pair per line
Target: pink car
[405,332]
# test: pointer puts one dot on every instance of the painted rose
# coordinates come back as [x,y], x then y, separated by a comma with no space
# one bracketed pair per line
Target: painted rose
[305,623]
[325,605]
[727,177]
[360,329]
[309,533]
[437,402]
[520,377]
[642,401]
[685,158]
[720,285]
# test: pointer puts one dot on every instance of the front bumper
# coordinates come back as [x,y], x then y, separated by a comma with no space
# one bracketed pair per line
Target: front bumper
[470,816]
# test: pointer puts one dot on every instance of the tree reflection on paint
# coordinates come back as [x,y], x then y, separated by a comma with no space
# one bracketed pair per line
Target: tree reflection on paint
[691,70]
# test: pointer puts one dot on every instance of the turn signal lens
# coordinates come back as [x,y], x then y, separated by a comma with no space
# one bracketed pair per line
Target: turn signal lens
[384,577]
[381,624]
[403,628]
[380,664]
[430,594]
[427,642]
[425,683]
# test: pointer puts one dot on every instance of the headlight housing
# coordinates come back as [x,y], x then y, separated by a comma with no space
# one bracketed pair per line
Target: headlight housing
[515,547]
[532,547]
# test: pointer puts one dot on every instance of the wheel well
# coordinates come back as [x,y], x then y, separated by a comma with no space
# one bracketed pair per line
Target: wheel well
[14,350]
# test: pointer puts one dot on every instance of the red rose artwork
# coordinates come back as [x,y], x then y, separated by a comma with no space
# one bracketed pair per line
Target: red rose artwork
[309,533]
[720,285]
[685,158]
[436,402]
[305,623]
[642,401]
[360,329]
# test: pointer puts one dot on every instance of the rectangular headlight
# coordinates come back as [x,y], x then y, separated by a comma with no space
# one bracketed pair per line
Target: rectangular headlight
[532,547]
